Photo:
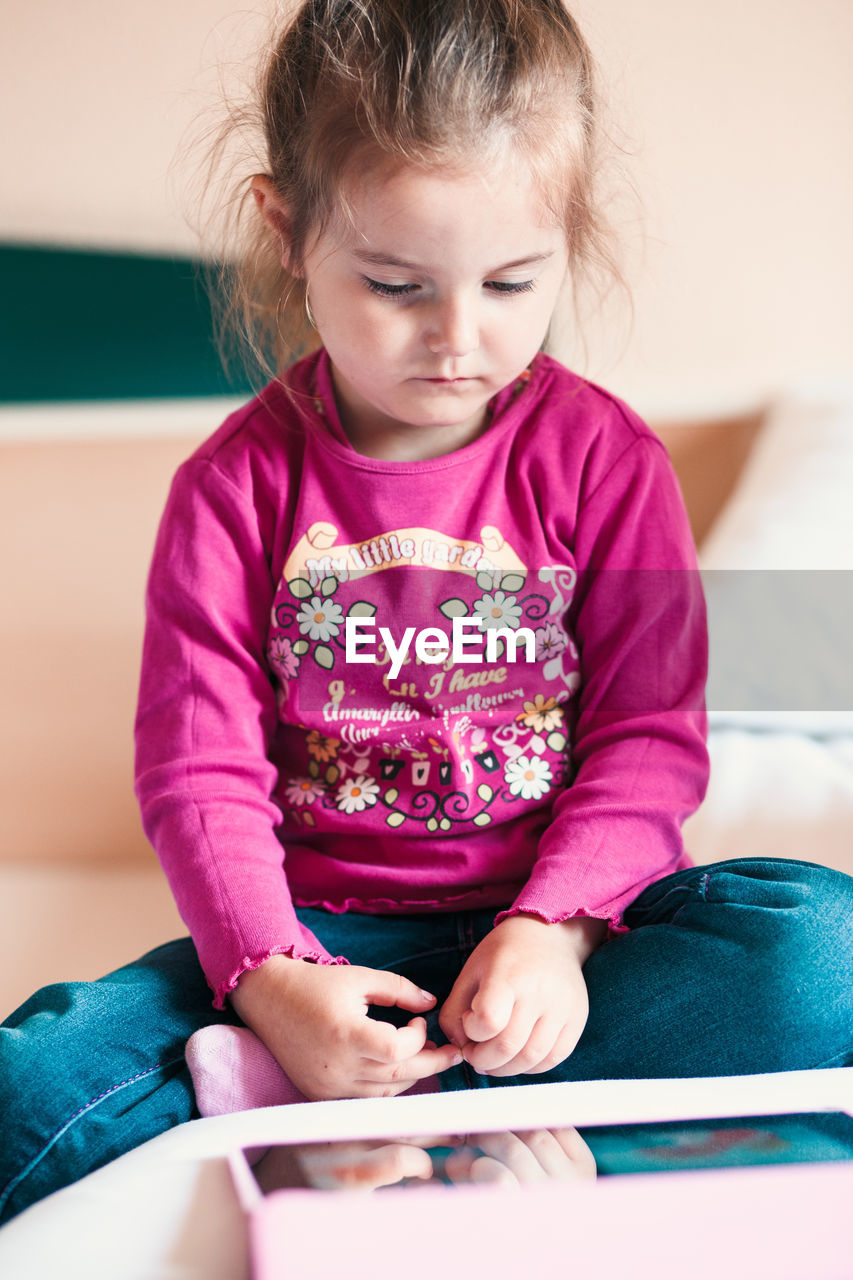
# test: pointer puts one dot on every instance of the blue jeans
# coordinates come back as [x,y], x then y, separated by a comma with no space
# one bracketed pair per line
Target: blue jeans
[729,969]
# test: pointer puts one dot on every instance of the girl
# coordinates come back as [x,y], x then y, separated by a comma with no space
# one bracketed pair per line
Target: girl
[421,710]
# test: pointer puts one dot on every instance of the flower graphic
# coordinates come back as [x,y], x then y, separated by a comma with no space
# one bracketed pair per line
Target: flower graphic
[498,610]
[321,747]
[283,658]
[542,714]
[319,619]
[528,776]
[301,791]
[357,794]
[550,640]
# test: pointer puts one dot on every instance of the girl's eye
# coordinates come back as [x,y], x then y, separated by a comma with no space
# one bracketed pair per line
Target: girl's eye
[388,290]
[511,286]
[405,290]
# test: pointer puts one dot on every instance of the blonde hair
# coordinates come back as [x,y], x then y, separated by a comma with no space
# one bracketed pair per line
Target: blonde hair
[351,83]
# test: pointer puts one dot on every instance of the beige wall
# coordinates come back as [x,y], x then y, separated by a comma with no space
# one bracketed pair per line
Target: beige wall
[741,117]
[738,116]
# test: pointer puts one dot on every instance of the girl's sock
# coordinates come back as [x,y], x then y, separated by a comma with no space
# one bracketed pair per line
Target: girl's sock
[232,1070]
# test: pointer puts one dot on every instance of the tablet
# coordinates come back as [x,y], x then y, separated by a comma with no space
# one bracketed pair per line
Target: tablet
[560,1178]
[526,1157]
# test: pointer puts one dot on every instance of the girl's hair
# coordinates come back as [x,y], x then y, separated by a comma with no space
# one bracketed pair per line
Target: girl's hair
[351,84]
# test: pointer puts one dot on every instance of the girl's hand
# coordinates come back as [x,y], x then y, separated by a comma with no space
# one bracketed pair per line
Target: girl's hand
[314,1020]
[515,1159]
[520,1004]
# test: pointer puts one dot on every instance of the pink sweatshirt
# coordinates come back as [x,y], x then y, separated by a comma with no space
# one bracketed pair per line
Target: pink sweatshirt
[293,748]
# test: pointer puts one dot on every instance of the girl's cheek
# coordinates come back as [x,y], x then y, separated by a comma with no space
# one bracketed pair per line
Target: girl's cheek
[397,330]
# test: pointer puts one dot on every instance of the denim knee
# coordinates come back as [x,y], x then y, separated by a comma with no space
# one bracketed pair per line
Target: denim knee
[793,924]
[44,1153]
[90,1070]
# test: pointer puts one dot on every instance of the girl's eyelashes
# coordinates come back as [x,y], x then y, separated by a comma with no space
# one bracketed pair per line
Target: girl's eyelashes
[511,286]
[404,290]
[389,290]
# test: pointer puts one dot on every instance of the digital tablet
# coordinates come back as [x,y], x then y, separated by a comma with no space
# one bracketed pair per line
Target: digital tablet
[522,1157]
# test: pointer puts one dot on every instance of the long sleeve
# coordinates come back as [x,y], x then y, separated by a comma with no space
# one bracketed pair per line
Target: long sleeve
[639,759]
[206,715]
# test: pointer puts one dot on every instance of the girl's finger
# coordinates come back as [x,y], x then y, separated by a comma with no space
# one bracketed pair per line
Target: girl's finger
[538,1053]
[491,1010]
[380,1167]
[492,1055]
[450,1016]
[485,1169]
[563,1047]
[380,1042]
[511,1150]
[577,1151]
[551,1154]
[389,989]
[428,1062]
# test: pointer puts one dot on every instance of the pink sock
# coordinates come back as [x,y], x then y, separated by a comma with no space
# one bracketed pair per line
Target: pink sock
[232,1070]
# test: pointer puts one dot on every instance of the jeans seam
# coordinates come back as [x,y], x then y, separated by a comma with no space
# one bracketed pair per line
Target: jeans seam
[700,891]
[689,891]
[13,1184]
[827,1064]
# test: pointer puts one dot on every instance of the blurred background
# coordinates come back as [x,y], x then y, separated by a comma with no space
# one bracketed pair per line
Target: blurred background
[732,125]
[735,121]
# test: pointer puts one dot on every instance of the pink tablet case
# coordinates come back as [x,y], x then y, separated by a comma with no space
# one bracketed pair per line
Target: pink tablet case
[785,1222]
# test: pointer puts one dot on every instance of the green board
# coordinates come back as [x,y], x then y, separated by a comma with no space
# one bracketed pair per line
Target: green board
[85,325]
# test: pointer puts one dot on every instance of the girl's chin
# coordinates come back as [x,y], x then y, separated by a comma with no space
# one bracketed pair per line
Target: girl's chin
[449,406]
[446,422]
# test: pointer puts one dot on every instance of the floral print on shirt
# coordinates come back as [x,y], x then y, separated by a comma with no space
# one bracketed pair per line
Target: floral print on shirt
[443,742]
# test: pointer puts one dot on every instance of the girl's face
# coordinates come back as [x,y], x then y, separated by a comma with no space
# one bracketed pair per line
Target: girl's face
[435,297]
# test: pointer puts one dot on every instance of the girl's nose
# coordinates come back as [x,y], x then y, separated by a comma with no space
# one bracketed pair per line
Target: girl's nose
[453,329]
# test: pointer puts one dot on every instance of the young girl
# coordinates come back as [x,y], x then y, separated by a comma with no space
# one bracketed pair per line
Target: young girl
[421,711]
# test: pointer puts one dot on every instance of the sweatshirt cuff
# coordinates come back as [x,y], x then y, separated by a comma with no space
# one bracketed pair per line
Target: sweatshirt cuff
[555,893]
[551,915]
[295,950]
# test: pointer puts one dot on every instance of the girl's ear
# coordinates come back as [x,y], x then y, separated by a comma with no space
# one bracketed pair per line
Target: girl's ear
[276,214]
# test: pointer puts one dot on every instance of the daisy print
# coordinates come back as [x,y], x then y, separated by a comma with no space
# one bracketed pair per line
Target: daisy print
[357,794]
[542,714]
[320,619]
[529,777]
[302,791]
[498,610]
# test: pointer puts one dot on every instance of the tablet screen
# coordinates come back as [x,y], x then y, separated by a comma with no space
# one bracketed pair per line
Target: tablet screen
[521,1157]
